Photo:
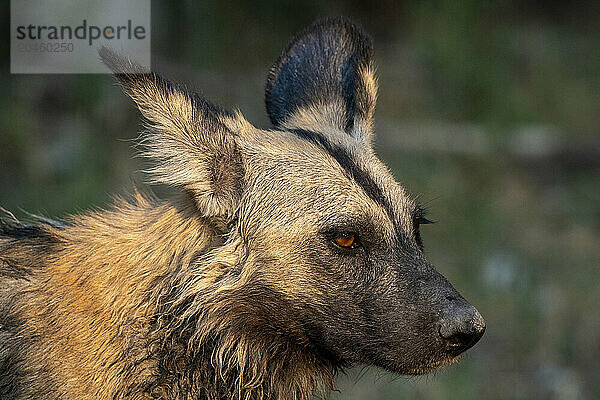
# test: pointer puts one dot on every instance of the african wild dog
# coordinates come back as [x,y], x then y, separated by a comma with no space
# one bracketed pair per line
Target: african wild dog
[289,254]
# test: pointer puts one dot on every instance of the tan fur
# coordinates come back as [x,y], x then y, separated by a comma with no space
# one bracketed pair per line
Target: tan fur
[100,293]
[320,116]
[367,97]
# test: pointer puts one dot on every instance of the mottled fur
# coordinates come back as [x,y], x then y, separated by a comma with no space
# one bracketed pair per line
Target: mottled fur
[235,289]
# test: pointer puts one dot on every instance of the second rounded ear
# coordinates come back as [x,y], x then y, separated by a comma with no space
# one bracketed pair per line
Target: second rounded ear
[325,76]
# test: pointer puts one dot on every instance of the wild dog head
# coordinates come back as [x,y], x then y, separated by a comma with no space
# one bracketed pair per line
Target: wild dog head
[327,243]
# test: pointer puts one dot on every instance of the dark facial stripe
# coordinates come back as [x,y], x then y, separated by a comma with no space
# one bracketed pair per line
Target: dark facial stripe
[361,177]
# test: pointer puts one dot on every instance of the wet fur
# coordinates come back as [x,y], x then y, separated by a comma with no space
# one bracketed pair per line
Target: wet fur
[108,306]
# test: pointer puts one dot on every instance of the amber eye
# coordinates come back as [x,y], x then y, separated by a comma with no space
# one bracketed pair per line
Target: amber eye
[346,240]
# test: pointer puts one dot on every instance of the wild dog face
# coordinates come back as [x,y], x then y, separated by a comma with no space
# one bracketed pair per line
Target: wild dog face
[325,229]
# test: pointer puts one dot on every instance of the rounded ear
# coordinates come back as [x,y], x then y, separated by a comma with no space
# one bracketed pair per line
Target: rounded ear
[325,77]
[187,136]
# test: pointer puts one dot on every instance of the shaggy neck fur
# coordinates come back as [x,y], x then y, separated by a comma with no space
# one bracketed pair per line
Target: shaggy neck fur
[167,306]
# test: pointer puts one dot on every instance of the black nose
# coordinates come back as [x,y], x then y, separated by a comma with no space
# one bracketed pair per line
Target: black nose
[461,327]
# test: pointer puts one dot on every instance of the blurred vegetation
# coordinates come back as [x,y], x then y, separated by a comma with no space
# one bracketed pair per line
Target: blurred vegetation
[489,110]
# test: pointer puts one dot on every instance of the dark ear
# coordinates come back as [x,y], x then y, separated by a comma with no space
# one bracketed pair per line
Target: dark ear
[325,77]
[187,137]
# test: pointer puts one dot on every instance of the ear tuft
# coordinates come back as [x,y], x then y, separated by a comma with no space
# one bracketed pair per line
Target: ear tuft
[325,77]
[119,64]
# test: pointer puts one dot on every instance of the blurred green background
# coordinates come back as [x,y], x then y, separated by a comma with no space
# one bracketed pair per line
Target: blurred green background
[489,111]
